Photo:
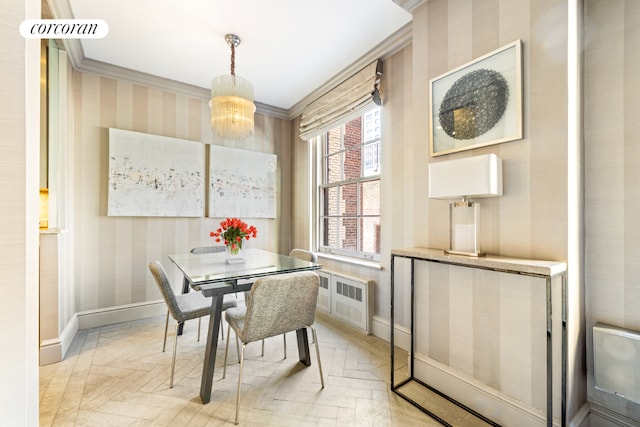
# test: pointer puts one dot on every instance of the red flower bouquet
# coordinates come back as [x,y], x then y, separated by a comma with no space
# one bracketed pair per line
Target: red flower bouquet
[233,231]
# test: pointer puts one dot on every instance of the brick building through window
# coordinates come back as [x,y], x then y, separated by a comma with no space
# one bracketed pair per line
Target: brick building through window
[350,191]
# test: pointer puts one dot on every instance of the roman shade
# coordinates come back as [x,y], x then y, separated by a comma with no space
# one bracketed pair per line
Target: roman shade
[342,102]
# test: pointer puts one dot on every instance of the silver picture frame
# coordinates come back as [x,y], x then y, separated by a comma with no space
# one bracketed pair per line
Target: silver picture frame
[477,104]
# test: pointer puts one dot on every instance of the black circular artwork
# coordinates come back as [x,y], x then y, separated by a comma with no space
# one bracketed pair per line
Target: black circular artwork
[474,104]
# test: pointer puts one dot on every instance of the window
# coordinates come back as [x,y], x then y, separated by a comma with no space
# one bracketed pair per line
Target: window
[350,188]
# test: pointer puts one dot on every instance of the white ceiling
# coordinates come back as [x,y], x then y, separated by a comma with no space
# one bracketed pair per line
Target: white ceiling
[289,47]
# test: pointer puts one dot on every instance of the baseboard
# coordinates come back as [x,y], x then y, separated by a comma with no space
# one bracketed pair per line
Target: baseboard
[581,418]
[124,313]
[50,351]
[602,417]
[54,350]
[487,401]
[380,328]
[68,334]
[455,385]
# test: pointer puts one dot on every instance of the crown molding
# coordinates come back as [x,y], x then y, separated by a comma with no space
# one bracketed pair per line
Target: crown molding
[138,77]
[74,50]
[388,47]
[410,5]
[272,111]
[61,9]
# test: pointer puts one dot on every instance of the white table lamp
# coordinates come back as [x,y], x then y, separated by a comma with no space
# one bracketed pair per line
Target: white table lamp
[463,179]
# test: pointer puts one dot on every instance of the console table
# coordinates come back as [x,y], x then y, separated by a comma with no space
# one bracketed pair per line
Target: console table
[547,270]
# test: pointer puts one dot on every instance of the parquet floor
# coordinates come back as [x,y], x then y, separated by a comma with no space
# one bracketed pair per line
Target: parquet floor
[118,376]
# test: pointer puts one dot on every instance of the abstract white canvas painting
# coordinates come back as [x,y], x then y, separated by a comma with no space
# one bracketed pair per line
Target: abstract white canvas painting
[242,183]
[151,175]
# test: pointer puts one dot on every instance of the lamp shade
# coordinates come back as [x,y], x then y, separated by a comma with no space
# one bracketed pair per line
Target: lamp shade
[472,177]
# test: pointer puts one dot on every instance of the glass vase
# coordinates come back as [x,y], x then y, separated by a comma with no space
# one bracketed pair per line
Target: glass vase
[234,255]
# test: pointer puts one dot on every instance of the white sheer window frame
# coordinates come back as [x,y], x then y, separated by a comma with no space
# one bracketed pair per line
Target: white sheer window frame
[360,218]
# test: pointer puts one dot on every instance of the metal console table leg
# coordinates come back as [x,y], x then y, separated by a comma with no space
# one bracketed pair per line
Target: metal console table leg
[559,269]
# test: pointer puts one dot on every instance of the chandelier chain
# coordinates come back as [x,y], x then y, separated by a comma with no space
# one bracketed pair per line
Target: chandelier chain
[233,60]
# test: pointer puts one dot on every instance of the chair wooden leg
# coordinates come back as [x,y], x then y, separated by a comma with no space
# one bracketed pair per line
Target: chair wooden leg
[173,360]
[237,347]
[239,383]
[226,351]
[199,322]
[263,348]
[315,339]
[166,325]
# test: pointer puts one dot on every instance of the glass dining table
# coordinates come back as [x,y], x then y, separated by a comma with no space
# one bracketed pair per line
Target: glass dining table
[214,277]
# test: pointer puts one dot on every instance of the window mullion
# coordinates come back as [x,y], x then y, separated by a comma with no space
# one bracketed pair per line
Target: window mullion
[341,183]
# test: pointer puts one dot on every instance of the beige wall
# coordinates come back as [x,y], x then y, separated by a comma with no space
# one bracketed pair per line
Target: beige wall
[112,253]
[19,185]
[490,326]
[487,327]
[530,219]
[612,164]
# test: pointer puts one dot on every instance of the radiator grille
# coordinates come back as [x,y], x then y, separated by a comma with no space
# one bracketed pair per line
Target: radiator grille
[352,300]
[324,293]
[348,291]
[324,282]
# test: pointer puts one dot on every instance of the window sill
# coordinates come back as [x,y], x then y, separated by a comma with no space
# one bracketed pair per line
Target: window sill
[349,260]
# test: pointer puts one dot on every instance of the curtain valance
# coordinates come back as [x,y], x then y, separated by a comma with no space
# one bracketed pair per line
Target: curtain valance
[342,102]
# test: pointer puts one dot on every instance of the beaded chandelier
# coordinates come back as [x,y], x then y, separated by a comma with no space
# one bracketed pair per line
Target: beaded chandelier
[232,106]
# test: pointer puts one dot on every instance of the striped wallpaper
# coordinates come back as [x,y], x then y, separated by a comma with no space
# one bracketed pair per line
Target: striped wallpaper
[486,326]
[612,172]
[489,326]
[112,253]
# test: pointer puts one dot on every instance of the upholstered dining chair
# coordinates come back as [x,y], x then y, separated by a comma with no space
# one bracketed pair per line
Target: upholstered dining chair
[304,255]
[182,307]
[278,304]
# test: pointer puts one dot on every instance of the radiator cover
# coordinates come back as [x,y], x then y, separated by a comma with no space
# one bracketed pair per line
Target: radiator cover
[324,293]
[347,298]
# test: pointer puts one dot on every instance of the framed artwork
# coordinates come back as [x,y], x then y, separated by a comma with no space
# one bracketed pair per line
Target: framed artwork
[152,175]
[242,183]
[478,103]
